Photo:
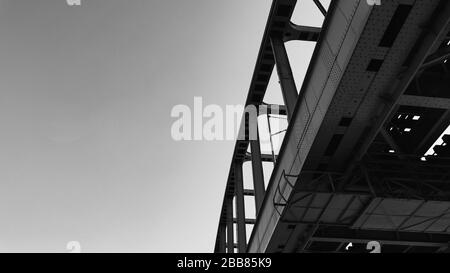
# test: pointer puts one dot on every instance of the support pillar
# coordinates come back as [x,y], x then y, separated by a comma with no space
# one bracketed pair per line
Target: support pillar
[222,238]
[285,75]
[258,174]
[240,208]
[230,226]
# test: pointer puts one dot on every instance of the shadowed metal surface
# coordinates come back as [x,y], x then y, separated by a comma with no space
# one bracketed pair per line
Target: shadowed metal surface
[352,166]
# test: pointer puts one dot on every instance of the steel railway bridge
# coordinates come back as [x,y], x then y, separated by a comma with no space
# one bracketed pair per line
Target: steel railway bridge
[352,166]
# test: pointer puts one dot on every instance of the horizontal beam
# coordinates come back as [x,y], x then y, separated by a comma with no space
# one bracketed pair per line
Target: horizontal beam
[264,157]
[249,192]
[424,102]
[383,242]
[346,235]
[247,221]
[301,33]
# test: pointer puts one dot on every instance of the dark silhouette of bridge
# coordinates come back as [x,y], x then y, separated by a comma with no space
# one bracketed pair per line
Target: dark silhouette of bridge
[353,165]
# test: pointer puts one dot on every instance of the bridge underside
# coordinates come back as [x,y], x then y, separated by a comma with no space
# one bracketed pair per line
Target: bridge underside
[355,164]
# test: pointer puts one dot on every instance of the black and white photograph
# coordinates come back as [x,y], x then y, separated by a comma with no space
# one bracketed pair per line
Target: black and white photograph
[240,130]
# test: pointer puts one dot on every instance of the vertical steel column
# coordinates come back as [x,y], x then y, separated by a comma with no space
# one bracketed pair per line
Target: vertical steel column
[230,226]
[258,174]
[222,238]
[240,208]
[285,75]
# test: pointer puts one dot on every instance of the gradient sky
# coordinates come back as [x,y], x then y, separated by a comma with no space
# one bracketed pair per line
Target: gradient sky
[85,100]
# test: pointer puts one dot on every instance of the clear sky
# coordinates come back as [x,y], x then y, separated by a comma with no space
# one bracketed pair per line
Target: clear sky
[85,100]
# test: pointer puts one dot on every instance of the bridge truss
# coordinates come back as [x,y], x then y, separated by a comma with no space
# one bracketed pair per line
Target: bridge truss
[355,164]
